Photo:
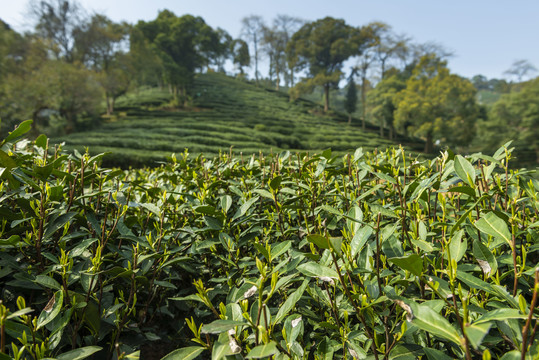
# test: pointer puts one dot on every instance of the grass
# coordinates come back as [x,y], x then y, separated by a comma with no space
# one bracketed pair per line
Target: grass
[227,114]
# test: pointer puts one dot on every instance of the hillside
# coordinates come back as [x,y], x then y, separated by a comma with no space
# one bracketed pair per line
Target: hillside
[227,113]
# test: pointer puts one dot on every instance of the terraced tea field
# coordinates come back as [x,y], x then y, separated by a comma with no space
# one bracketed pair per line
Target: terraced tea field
[227,114]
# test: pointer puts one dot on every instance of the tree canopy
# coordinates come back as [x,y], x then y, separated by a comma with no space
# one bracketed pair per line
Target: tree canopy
[437,105]
[322,47]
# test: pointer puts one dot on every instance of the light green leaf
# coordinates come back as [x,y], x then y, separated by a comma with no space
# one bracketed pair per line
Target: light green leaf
[494,226]
[187,353]
[262,351]
[79,354]
[465,170]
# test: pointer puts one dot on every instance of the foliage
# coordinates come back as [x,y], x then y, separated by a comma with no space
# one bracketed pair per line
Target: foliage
[322,46]
[515,116]
[382,100]
[437,105]
[365,256]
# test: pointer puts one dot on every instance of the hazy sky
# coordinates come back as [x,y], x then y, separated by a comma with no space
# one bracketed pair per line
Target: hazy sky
[487,36]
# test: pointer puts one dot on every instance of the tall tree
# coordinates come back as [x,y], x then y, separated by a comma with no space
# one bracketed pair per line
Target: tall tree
[57,20]
[286,26]
[350,100]
[322,47]
[437,105]
[371,35]
[252,30]
[240,53]
[183,45]
[100,44]
[520,69]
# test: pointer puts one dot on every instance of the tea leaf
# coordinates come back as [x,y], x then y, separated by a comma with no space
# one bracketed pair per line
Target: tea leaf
[219,326]
[79,354]
[313,269]
[290,302]
[494,226]
[187,353]
[262,351]
[413,263]
[465,170]
[430,321]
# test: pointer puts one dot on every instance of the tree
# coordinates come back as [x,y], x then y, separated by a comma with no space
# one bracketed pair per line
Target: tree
[183,45]
[437,105]
[382,101]
[520,69]
[240,53]
[222,49]
[515,116]
[274,42]
[371,37]
[350,101]
[252,30]
[57,20]
[100,44]
[321,47]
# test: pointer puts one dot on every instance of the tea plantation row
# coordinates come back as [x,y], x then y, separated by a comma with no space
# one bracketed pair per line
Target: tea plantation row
[290,256]
[228,113]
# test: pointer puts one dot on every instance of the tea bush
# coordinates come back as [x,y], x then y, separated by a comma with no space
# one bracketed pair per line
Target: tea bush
[288,256]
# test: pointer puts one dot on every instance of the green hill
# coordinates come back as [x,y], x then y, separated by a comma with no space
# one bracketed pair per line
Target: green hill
[227,113]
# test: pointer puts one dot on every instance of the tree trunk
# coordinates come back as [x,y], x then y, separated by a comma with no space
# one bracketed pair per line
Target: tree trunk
[326,97]
[349,119]
[391,130]
[428,144]
[107,98]
[363,106]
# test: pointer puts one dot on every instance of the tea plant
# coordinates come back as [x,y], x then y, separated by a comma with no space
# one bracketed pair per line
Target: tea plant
[291,256]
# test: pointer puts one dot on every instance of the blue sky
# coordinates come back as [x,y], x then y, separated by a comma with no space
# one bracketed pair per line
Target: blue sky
[485,36]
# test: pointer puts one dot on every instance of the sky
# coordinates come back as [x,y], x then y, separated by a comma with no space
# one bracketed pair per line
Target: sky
[486,36]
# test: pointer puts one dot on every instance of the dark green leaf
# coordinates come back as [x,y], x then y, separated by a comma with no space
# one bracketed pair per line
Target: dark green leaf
[413,263]
[219,326]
